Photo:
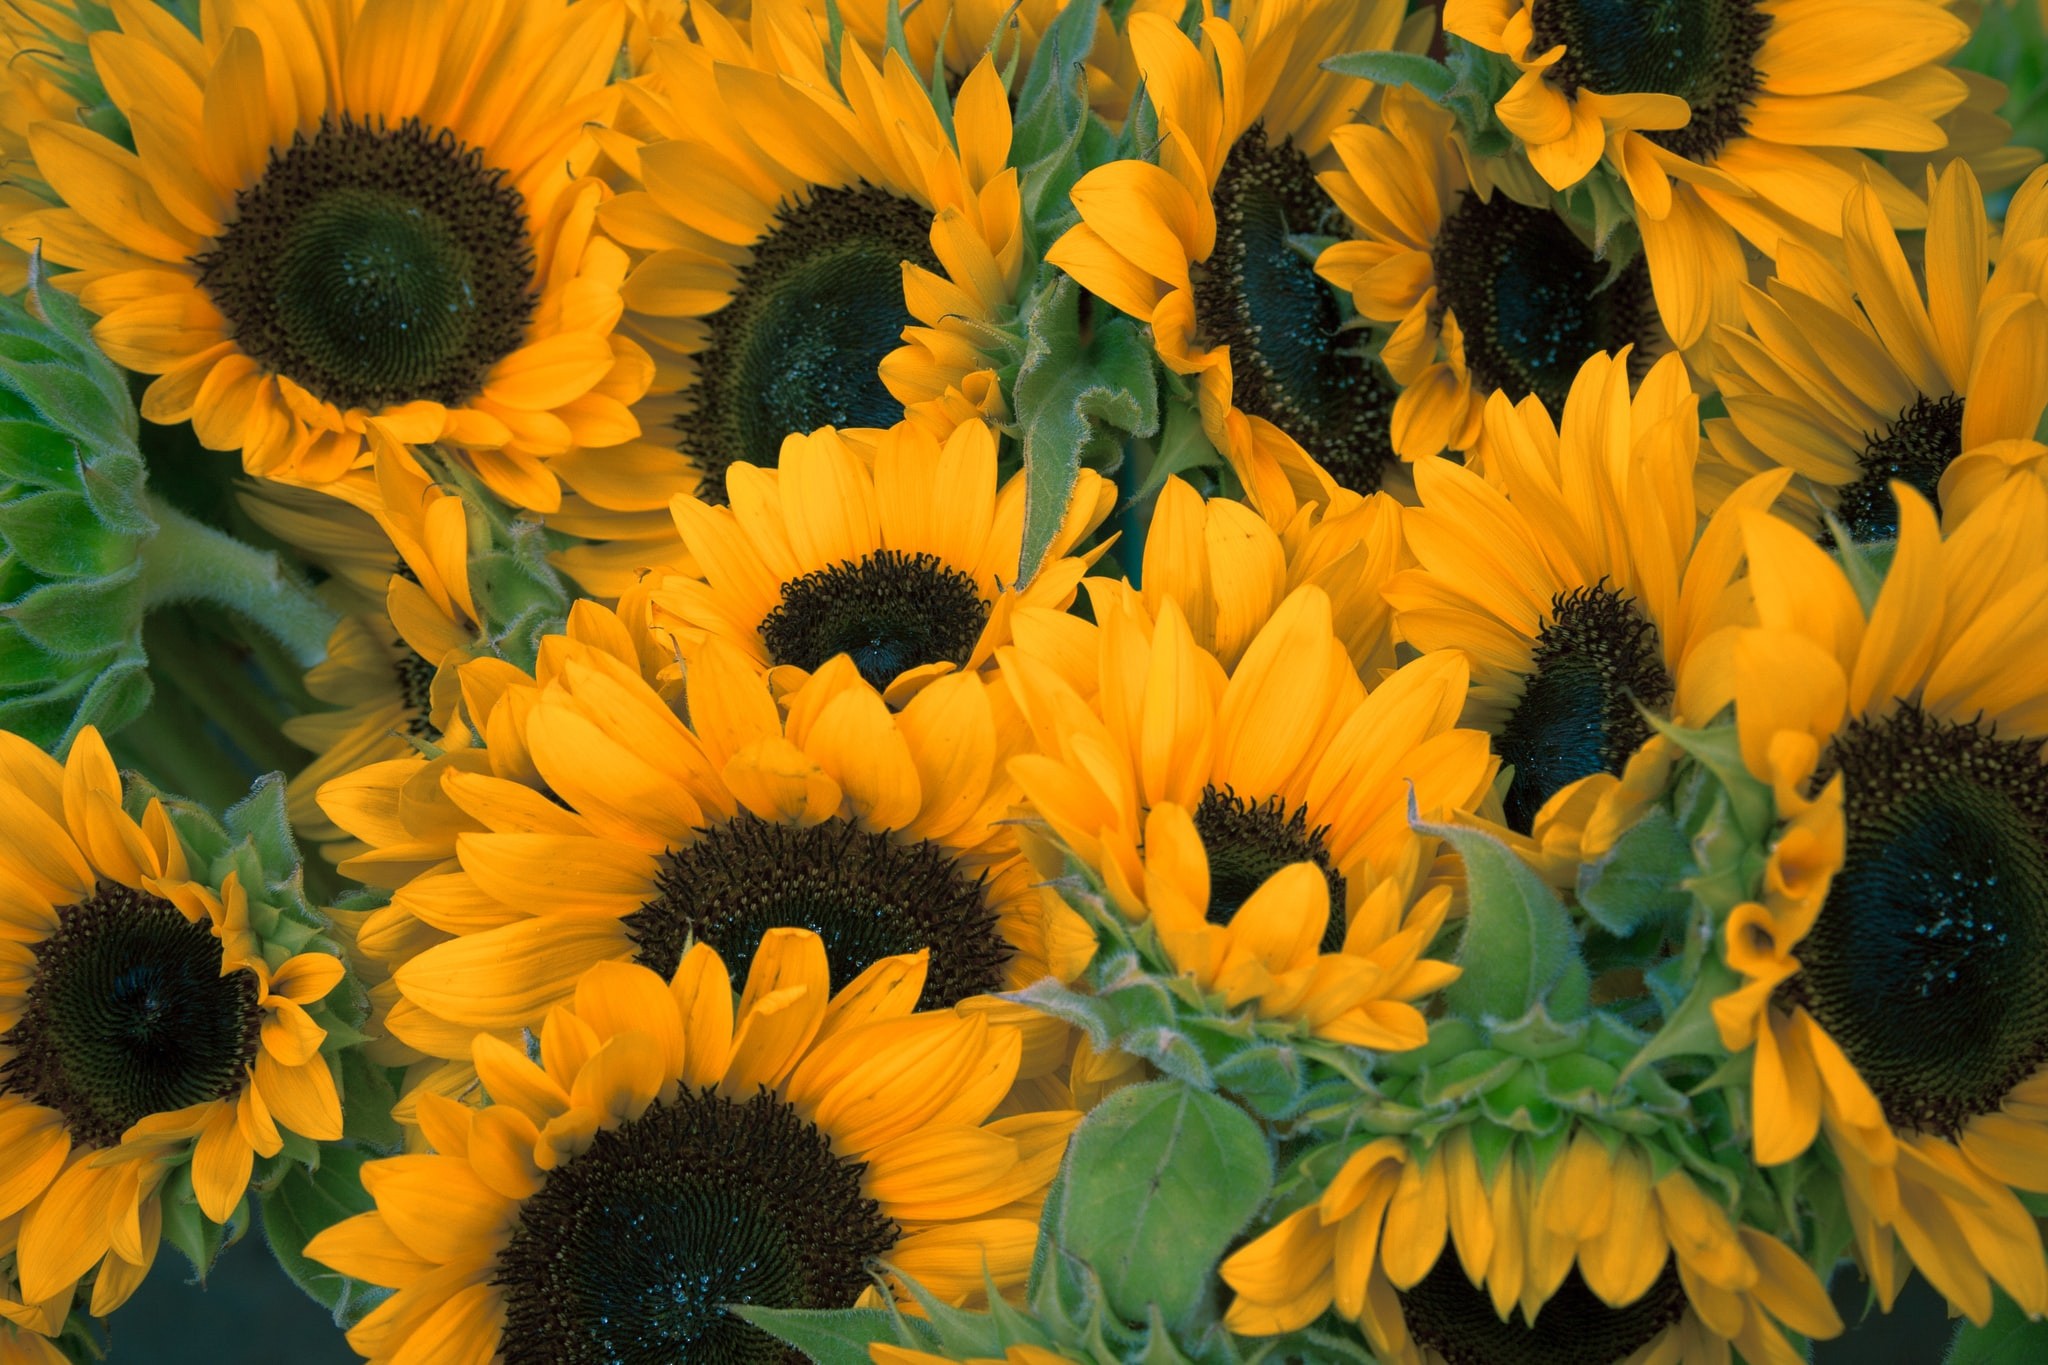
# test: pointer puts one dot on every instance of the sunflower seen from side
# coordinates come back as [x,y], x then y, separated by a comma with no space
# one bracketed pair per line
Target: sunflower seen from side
[152,1033]
[1575,577]
[811,260]
[1484,292]
[340,218]
[1607,1257]
[669,1152]
[1258,817]
[1899,1016]
[1729,121]
[1855,378]
[1197,245]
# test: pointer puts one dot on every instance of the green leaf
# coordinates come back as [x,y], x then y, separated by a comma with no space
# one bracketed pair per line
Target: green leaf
[2007,1338]
[56,534]
[829,1337]
[191,1231]
[1159,1179]
[81,617]
[305,1203]
[1183,445]
[1639,882]
[1517,951]
[1433,79]
[1075,398]
[367,1097]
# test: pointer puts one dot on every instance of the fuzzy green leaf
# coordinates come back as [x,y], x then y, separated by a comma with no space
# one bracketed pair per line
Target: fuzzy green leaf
[1639,882]
[56,534]
[307,1202]
[1159,1178]
[1517,951]
[2006,1338]
[1433,79]
[1076,398]
[80,618]
[835,1337]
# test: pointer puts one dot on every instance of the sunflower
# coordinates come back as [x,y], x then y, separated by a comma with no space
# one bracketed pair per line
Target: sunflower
[1573,584]
[1227,570]
[1608,1256]
[900,563]
[1728,120]
[670,1153]
[1198,245]
[1259,817]
[812,260]
[313,183]
[146,1026]
[1486,292]
[882,1353]
[882,831]
[26,1328]
[1898,1011]
[1854,377]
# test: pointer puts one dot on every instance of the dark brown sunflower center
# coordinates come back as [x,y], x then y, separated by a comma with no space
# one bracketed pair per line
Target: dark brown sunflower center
[866,895]
[1917,450]
[800,345]
[1248,841]
[1595,667]
[1532,302]
[128,1015]
[890,611]
[1292,361]
[631,1250]
[375,266]
[1703,51]
[1450,1315]
[1925,962]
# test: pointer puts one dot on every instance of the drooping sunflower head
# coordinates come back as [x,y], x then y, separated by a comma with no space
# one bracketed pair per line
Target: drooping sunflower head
[815,259]
[1485,292]
[1257,817]
[1576,579]
[1894,1007]
[669,1153]
[1847,378]
[904,560]
[149,1019]
[1202,245]
[386,231]
[1592,1253]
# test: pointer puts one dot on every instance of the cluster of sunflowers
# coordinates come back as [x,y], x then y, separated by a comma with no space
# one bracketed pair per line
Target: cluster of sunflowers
[1024,680]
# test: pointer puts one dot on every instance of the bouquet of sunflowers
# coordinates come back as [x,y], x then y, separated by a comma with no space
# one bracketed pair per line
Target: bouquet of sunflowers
[1190,682]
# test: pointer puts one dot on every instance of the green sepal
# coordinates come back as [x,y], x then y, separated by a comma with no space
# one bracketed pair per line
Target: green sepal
[1076,400]
[1159,1178]
[1481,78]
[82,1339]
[837,1337]
[304,1203]
[1640,881]
[1182,447]
[1432,78]
[192,1232]
[1056,137]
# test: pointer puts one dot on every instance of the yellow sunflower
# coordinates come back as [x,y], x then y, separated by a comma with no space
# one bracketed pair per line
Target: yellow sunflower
[1729,120]
[1598,1259]
[882,1353]
[811,259]
[1227,570]
[906,562]
[1898,1009]
[1485,292]
[1854,377]
[147,1026]
[669,1153]
[347,215]
[26,1329]
[1576,582]
[1259,816]
[636,834]
[1197,245]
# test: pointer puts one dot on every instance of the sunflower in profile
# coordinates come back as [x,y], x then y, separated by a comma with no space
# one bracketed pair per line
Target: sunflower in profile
[1228,570]
[1602,1258]
[1484,292]
[1570,577]
[811,259]
[353,215]
[1901,1018]
[1258,816]
[610,830]
[668,1153]
[906,562]
[1728,120]
[150,1032]
[1197,246]
[1856,377]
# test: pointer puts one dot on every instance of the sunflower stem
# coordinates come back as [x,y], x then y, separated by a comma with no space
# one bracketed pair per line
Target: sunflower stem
[189,561]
